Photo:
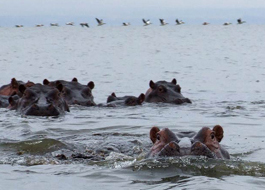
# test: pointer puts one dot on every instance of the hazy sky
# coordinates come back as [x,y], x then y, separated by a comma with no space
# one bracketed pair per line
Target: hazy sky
[114,12]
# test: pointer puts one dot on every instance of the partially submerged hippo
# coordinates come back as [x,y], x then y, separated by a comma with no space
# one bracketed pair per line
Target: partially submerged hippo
[75,93]
[167,92]
[39,100]
[12,88]
[114,101]
[205,143]
[4,100]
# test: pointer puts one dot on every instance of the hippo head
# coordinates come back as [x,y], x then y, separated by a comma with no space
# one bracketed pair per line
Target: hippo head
[13,88]
[125,100]
[208,138]
[167,92]
[75,93]
[40,100]
[112,97]
[164,142]
[205,143]
[133,101]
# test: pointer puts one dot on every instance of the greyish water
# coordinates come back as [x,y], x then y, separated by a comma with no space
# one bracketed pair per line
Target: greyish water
[220,68]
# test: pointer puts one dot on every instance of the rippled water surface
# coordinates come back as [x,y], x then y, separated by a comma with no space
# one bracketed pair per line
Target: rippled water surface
[221,69]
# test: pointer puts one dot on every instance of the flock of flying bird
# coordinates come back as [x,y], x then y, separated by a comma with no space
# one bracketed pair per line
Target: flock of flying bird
[146,23]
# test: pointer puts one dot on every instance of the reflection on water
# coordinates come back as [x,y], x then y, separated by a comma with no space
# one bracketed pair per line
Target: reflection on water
[219,69]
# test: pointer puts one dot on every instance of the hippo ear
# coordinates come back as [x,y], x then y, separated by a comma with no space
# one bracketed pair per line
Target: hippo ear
[91,85]
[113,94]
[153,134]
[14,83]
[22,88]
[60,87]
[219,132]
[141,98]
[174,81]
[74,80]
[46,82]
[152,84]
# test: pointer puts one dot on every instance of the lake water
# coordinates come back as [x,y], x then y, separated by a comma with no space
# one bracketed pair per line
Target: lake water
[220,68]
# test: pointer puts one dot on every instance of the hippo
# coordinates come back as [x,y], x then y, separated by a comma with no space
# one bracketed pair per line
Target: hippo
[167,92]
[40,100]
[114,101]
[12,88]
[75,93]
[204,143]
[4,100]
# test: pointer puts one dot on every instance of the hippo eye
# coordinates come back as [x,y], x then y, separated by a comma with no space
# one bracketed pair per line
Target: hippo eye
[160,89]
[158,137]
[212,136]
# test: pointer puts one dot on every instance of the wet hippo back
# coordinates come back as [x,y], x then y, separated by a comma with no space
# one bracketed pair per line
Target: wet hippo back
[41,100]
[74,92]
[167,92]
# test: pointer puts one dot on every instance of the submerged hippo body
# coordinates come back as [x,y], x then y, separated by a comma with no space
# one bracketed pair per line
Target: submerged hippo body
[39,100]
[167,92]
[75,93]
[12,88]
[204,143]
[114,101]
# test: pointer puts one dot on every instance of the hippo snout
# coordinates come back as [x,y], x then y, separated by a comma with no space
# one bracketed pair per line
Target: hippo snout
[84,103]
[42,110]
[199,148]
[171,149]
[90,103]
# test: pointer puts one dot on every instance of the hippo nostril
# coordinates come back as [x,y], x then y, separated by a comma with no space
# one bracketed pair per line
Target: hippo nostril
[50,107]
[90,103]
[76,102]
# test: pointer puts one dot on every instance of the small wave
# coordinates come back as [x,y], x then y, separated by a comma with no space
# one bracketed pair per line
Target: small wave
[201,166]
[41,146]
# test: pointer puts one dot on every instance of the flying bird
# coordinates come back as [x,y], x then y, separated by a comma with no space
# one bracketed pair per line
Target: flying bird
[162,21]
[126,24]
[83,24]
[146,22]
[239,21]
[54,24]
[179,22]
[100,22]
[70,23]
